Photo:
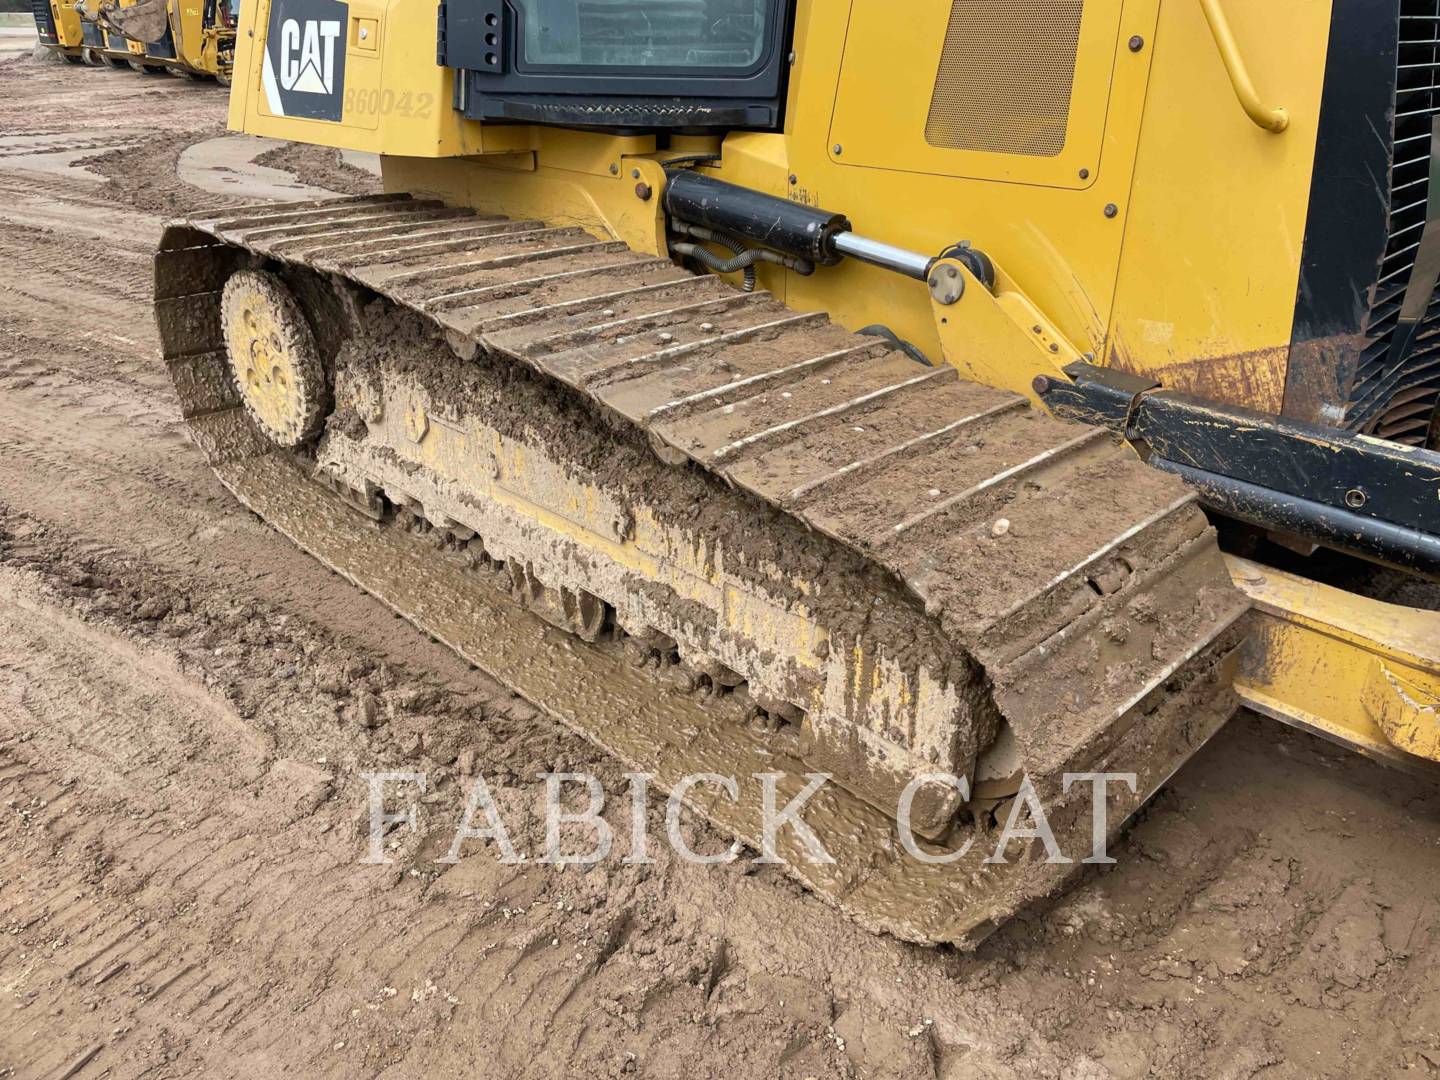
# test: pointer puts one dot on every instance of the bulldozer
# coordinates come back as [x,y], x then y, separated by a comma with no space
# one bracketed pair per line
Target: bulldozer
[59,29]
[948,402]
[149,36]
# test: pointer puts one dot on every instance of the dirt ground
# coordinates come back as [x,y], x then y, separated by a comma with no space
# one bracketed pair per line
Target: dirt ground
[187,703]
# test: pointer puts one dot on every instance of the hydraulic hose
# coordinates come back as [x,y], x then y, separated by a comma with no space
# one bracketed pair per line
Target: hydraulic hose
[745,259]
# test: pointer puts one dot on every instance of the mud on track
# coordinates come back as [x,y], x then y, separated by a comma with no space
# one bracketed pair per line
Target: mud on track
[186,704]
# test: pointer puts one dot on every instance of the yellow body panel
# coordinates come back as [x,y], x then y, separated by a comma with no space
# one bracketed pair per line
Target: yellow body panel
[68,32]
[870,83]
[409,115]
[585,177]
[1217,210]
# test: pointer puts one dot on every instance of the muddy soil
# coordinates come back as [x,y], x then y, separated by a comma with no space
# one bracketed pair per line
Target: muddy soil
[187,704]
[320,166]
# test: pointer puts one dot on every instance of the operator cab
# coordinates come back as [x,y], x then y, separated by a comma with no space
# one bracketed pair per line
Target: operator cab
[619,64]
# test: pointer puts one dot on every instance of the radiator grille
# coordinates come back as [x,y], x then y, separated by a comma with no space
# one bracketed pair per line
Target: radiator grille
[1395,397]
[1006,75]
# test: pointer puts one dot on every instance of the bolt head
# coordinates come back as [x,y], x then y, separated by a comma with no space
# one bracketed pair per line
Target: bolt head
[1137,43]
[946,288]
[1111,210]
[837,148]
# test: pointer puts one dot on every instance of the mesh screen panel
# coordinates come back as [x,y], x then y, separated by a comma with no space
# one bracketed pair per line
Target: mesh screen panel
[1005,77]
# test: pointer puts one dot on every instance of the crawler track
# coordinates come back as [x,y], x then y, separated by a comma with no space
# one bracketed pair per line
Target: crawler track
[904,572]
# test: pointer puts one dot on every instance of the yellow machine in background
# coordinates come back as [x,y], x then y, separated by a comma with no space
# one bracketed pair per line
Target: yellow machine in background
[1137,217]
[152,36]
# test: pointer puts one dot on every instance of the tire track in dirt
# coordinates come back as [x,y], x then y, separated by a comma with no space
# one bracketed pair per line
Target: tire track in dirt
[80,215]
[36,257]
[244,895]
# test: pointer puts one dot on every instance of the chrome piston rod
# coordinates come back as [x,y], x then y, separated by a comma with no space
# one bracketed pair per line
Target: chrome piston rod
[910,263]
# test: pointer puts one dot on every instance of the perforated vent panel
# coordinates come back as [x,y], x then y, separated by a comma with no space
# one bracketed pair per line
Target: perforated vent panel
[1006,75]
[1396,393]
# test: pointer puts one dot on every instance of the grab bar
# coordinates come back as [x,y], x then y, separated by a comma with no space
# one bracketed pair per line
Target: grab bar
[1272,118]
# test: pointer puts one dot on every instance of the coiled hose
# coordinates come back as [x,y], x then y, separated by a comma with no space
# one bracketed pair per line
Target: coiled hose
[745,259]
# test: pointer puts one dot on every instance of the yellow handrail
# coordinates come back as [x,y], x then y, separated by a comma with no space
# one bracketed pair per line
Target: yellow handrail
[1272,118]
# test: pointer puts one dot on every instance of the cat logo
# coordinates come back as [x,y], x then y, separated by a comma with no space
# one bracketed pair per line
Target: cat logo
[304,68]
[307,58]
